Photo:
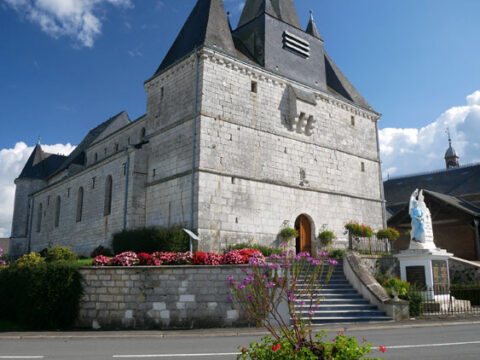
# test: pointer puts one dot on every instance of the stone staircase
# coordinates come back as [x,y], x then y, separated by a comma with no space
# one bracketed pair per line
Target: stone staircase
[339,302]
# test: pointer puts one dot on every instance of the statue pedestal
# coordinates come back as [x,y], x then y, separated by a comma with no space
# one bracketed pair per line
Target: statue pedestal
[426,268]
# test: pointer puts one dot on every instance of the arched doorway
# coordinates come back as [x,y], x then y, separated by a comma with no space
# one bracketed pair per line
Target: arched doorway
[304,239]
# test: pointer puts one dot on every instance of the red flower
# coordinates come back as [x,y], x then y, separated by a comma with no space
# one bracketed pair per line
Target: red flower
[383,349]
[243,350]
[276,347]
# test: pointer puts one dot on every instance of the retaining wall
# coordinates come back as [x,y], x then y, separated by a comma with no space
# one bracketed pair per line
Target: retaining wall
[166,297]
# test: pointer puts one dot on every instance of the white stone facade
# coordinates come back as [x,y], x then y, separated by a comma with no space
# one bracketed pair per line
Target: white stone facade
[254,168]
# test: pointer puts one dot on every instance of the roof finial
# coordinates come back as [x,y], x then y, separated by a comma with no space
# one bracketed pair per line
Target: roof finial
[312,28]
[449,137]
[39,140]
[311,15]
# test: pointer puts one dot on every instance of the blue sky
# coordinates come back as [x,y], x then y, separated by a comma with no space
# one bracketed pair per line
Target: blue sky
[67,65]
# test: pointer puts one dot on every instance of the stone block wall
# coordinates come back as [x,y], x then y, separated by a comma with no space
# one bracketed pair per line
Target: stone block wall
[377,264]
[167,297]
[463,271]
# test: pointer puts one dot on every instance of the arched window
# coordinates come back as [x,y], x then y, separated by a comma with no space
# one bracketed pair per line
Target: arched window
[108,196]
[79,204]
[142,133]
[39,217]
[57,211]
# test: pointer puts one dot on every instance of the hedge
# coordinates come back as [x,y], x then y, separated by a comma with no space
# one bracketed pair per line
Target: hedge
[150,240]
[44,296]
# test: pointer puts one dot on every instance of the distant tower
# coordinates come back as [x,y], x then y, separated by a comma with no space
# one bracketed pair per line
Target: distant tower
[451,157]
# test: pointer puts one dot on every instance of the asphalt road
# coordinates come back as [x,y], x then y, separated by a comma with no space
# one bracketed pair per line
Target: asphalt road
[427,341]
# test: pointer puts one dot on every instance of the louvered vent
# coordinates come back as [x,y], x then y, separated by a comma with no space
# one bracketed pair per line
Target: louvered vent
[296,44]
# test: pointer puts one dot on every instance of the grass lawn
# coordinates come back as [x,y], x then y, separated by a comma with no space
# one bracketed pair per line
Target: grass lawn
[82,262]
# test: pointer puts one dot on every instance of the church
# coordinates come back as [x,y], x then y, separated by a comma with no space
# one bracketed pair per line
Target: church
[246,131]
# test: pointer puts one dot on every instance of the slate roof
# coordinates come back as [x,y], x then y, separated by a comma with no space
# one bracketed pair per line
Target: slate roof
[206,25]
[40,165]
[455,182]
[341,85]
[456,202]
[77,155]
[281,9]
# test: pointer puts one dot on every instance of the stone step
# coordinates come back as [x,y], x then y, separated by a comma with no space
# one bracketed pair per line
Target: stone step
[330,296]
[344,313]
[345,319]
[338,307]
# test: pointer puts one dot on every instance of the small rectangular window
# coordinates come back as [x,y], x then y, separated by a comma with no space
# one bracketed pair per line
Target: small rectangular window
[352,120]
[254,87]
[363,166]
[154,172]
[93,182]
[162,92]
[124,169]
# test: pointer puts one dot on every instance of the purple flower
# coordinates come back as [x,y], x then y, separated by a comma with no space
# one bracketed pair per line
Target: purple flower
[230,299]
[241,286]
[249,297]
[274,266]
[310,312]
[332,261]
[274,257]
[284,244]
[323,253]
[270,284]
[230,278]
[291,297]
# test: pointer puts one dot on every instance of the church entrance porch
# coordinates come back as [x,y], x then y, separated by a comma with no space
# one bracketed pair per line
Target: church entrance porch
[304,239]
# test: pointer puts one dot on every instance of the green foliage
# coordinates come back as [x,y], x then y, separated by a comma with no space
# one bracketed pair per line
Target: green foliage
[326,237]
[288,233]
[336,253]
[359,230]
[42,296]
[32,259]
[400,286]
[150,240]
[100,250]
[341,348]
[265,250]
[415,301]
[388,233]
[59,253]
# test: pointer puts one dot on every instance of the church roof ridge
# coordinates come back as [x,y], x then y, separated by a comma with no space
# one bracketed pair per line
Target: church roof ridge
[432,172]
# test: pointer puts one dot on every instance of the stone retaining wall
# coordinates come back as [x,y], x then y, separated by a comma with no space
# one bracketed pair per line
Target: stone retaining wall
[463,271]
[377,264]
[166,297]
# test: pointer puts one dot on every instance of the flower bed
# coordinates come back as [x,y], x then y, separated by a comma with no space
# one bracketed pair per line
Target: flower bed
[129,258]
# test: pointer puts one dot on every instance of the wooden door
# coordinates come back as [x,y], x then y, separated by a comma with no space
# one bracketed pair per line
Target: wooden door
[304,241]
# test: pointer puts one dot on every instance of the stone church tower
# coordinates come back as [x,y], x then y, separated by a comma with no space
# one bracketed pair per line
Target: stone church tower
[246,130]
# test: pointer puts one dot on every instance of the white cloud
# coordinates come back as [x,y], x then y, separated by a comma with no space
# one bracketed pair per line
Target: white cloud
[79,19]
[12,162]
[405,151]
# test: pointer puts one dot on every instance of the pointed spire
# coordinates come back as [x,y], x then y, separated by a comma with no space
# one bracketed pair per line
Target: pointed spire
[229,23]
[283,10]
[206,25]
[451,157]
[312,28]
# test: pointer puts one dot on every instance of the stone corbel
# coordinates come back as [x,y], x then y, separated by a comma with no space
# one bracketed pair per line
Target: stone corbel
[301,106]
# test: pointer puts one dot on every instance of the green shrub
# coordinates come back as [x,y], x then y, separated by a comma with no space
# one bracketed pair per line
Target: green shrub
[150,240]
[100,250]
[32,259]
[326,237]
[265,250]
[388,233]
[400,286]
[59,253]
[415,301]
[44,296]
[336,253]
[288,233]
